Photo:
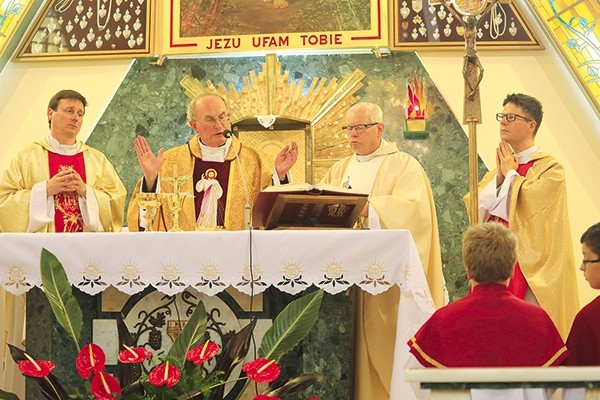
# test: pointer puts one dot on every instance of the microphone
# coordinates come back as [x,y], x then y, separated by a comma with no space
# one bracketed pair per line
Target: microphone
[227,133]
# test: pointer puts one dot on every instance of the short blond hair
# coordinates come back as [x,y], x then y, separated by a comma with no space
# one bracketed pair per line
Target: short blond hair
[489,252]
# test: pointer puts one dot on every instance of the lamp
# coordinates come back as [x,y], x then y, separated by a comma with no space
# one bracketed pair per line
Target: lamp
[416,122]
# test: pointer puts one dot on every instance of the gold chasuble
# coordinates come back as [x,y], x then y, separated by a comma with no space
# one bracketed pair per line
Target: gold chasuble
[247,168]
[32,166]
[402,197]
[538,216]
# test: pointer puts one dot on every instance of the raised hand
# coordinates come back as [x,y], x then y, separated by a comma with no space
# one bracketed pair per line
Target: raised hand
[149,162]
[286,159]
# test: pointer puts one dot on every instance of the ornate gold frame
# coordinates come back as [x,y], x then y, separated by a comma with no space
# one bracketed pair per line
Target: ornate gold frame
[130,35]
[449,37]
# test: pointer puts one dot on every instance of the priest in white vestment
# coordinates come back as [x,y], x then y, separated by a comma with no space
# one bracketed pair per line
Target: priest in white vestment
[400,198]
[58,183]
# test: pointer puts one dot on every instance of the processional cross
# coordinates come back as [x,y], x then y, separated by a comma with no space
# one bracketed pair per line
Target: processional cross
[470,12]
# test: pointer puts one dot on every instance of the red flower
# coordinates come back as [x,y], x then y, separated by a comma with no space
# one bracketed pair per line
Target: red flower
[201,354]
[104,385]
[164,374]
[314,398]
[265,397]
[133,355]
[262,370]
[35,368]
[90,359]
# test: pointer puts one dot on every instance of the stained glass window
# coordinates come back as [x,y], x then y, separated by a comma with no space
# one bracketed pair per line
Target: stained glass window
[11,13]
[573,24]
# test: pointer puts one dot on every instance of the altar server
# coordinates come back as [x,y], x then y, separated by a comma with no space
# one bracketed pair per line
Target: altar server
[584,339]
[490,327]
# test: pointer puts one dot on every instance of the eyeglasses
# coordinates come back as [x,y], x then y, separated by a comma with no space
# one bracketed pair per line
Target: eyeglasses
[360,127]
[222,119]
[586,262]
[511,117]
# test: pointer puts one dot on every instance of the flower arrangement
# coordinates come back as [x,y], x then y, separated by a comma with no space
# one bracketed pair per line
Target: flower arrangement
[179,374]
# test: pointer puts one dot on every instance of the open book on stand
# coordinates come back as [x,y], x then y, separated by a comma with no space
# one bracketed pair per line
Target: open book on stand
[302,205]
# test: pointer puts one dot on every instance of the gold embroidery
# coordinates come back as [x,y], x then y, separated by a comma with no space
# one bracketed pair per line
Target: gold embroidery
[68,205]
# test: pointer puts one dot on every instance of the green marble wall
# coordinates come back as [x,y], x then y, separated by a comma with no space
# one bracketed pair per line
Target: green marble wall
[151,102]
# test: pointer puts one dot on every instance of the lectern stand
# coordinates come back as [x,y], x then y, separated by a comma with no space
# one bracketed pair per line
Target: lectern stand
[302,206]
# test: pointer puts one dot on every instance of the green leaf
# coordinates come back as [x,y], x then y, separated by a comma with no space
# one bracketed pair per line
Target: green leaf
[291,326]
[236,349]
[8,396]
[294,385]
[234,352]
[60,295]
[192,333]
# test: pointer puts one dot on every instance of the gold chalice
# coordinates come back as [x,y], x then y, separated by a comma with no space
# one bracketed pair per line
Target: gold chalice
[150,203]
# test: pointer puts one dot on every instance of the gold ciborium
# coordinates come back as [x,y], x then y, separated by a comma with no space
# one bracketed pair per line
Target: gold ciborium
[150,203]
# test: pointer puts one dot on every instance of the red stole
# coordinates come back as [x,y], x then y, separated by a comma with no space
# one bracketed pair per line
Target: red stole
[67,215]
[222,170]
[518,284]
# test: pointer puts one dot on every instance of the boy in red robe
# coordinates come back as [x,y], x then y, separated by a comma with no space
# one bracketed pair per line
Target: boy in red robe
[490,327]
[584,339]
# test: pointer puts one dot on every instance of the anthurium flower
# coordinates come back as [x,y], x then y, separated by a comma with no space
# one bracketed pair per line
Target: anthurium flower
[133,355]
[201,354]
[164,374]
[262,370]
[265,397]
[90,359]
[104,386]
[35,368]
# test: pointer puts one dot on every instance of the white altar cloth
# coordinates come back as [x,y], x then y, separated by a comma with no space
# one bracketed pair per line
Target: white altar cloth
[290,260]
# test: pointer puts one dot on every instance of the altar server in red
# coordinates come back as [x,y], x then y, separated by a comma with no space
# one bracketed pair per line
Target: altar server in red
[584,339]
[489,327]
[58,183]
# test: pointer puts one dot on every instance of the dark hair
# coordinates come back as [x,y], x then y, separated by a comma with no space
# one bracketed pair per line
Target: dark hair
[65,94]
[529,104]
[591,237]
